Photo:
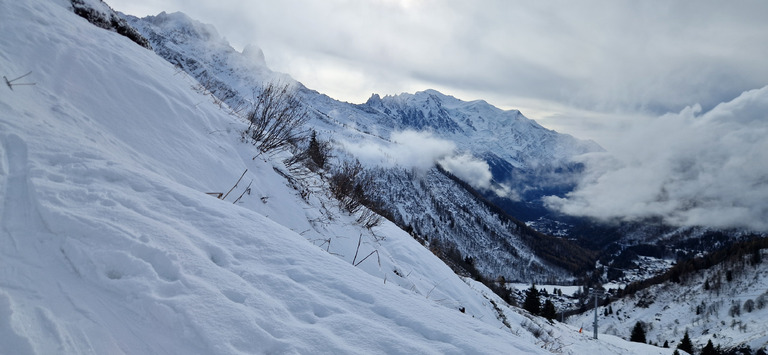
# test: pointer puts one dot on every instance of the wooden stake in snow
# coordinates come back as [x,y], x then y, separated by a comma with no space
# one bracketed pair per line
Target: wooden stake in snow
[11,83]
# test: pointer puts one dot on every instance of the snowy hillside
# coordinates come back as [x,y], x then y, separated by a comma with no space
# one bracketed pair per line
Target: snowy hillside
[495,151]
[111,245]
[726,304]
[434,207]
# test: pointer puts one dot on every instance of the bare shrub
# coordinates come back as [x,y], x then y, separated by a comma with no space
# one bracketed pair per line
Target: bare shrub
[375,251]
[351,186]
[276,119]
[369,218]
[348,186]
[297,160]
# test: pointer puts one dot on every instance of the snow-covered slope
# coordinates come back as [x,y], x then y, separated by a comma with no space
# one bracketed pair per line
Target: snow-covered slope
[110,244]
[446,214]
[727,304]
[506,148]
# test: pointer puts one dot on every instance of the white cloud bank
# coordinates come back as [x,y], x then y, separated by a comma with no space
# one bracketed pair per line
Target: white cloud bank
[410,149]
[470,169]
[689,168]
[421,151]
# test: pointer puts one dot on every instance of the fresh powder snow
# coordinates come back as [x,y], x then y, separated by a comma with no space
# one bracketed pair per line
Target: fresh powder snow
[111,244]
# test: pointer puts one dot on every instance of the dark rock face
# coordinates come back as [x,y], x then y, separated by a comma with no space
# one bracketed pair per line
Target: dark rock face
[108,19]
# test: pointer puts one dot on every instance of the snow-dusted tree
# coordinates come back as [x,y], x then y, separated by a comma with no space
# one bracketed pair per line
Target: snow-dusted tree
[749,306]
[276,118]
[762,301]
[638,333]
[318,151]
[532,303]
[549,311]
[709,349]
[735,310]
[686,344]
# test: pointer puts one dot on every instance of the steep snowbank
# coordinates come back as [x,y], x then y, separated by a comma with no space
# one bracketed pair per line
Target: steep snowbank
[110,245]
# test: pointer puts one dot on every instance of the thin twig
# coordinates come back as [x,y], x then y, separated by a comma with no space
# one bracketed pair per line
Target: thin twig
[433,288]
[247,189]
[358,248]
[233,187]
[377,257]
[430,291]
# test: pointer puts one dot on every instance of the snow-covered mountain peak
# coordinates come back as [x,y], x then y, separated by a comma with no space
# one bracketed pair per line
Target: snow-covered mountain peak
[481,128]
[254,54]
[199,50]
[429,98]
[496,151]
[185,29]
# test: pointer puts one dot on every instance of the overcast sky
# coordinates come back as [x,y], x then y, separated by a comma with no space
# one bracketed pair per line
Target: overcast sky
[638,77]
[570,64]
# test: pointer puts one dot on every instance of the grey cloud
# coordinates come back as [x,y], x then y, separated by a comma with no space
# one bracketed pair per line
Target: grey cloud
[474,171]
[618,56]
[422,151]
[690,168]
[606,65]
[410,149]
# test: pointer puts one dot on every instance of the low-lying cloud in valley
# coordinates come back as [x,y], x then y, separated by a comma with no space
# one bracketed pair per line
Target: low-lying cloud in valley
[410,149]
[690,168]
[421,151]
[474,171]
